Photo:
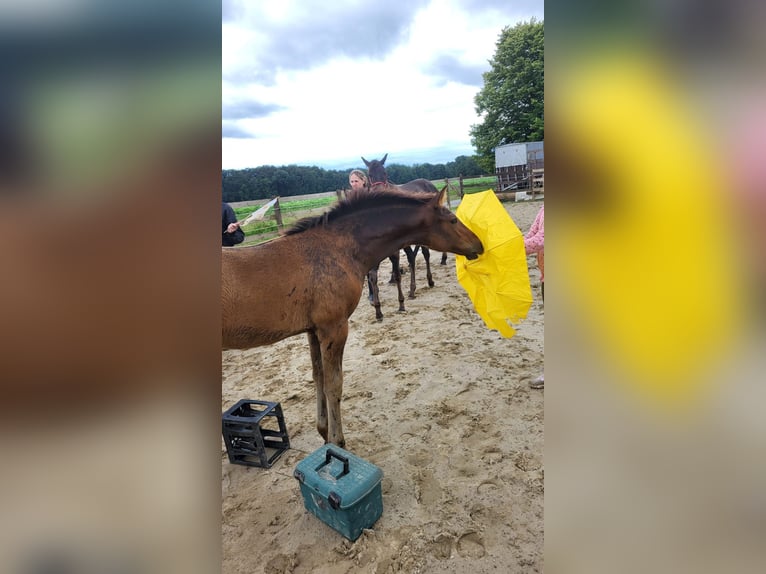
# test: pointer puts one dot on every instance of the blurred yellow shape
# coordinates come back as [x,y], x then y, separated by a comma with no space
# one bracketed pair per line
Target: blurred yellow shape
[649,259]
[498,281]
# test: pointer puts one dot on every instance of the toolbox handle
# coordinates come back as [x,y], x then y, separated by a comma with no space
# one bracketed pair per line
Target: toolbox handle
[330,453]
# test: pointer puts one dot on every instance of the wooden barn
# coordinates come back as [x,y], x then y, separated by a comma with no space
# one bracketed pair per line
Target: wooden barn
[520,166]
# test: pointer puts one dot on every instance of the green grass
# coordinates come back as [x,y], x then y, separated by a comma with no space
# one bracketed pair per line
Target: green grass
[470,185]
[287,206]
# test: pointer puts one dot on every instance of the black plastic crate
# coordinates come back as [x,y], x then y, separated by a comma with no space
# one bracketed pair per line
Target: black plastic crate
[255,433]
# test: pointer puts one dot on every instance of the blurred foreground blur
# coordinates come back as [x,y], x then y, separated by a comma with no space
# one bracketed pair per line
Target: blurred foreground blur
[110,351]
[655,333]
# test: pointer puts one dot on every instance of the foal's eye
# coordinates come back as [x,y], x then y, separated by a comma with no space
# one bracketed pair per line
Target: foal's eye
[454,220]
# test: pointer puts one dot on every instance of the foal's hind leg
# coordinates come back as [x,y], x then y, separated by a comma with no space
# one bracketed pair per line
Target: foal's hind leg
[318,376]
[444,259]
[372,279]
[332,340]
[427,257]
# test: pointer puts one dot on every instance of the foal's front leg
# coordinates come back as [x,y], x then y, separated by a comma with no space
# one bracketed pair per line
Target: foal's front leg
[317,372]
[332,341]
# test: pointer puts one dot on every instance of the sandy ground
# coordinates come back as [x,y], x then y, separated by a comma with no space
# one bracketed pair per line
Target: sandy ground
[440,403]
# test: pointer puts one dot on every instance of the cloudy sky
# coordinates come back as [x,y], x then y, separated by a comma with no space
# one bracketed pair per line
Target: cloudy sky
[323,82]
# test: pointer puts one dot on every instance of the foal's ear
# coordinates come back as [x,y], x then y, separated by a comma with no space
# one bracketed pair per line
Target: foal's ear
[384,159]
[367,163]
[439,198]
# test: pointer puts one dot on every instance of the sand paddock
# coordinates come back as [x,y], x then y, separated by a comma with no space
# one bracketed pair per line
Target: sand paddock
[437,401]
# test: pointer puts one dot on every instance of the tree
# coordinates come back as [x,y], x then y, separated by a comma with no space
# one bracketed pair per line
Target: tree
[465,166]
[511,103]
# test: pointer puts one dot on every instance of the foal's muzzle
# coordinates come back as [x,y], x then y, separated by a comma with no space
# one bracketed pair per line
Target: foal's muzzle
[475,254]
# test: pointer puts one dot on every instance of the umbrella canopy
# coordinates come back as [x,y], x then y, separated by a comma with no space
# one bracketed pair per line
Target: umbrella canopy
[498,281]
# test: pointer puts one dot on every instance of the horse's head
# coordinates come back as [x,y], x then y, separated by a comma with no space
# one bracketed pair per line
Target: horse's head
[445,232]
[376,170]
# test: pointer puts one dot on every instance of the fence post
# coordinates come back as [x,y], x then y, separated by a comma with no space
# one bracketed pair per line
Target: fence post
[460,179]
[278,214]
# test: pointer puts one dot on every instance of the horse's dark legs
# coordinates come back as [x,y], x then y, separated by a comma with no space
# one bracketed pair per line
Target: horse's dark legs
[427,257]
[411,255]
[318,376]
[369,287]
[394,280]
[444,259]
[372,280]
[396,273]
[332,341]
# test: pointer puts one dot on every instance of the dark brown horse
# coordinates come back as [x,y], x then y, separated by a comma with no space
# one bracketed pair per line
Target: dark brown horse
[396,279]
[378,178]
[310,279]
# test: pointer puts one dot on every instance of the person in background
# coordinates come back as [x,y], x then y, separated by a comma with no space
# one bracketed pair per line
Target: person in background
[534,242]
[358,181]
[232,233]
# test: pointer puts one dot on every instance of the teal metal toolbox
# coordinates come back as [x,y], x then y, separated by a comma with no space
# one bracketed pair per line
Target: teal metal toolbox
[341,489]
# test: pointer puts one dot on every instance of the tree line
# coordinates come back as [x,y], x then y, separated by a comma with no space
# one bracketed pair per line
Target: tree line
[511,105]
[268,181]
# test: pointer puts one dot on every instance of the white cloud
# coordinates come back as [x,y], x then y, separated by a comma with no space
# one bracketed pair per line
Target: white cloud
[410,97]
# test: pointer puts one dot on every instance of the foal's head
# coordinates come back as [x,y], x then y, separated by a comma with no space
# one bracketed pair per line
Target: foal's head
[445,232]
[421,217]
[376,170]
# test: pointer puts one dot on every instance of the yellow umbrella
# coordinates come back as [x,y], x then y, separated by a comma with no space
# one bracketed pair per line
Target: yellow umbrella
[498,281]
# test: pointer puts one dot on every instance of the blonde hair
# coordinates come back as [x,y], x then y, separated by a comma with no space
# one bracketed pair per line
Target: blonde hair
[361,175]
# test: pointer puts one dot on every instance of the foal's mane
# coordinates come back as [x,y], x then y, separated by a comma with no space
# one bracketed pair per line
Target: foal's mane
[357,202]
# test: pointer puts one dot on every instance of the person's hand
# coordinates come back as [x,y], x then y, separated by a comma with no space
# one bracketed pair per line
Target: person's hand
[232,227]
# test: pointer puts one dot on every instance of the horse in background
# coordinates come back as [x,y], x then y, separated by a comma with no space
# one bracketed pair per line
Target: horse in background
[378,178]
[396,279]
[310,279]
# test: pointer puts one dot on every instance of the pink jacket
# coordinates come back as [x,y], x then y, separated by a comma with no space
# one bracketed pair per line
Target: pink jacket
[534,239]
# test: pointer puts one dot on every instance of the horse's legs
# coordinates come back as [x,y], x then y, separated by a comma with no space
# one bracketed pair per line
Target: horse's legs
[427,257]
[411,255]
[397,275]
[318,375]
[372,280]
[332,340]
[393,279]
[444,259]
[369,286]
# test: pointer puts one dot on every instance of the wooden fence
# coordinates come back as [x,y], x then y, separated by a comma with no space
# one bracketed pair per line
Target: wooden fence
[282,214]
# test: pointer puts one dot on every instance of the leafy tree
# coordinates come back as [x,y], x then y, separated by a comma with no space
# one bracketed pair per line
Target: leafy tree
[511,103]
[399,173]
[464,165]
